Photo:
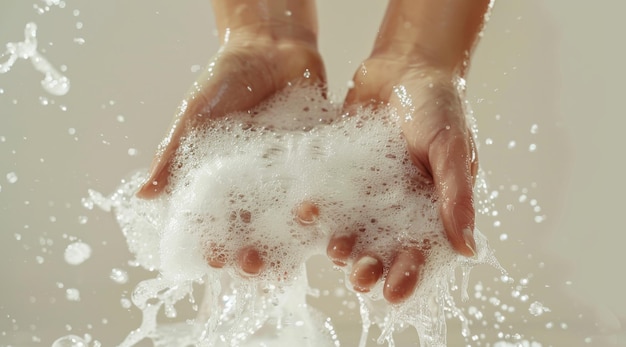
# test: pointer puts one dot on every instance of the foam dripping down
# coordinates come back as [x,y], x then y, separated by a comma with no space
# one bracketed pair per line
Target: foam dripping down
[237,186]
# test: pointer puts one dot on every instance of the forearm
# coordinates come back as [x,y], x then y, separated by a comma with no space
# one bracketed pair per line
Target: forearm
[442,33]
[278,19]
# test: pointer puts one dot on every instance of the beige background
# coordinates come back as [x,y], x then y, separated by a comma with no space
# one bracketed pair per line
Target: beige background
[554,63]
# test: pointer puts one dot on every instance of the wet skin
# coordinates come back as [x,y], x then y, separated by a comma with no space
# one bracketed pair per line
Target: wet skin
[258,60]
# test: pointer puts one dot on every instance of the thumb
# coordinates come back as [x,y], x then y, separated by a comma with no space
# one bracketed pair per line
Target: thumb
[453,164]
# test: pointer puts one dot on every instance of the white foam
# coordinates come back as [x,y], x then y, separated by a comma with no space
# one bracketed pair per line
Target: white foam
[238,184]
[76,253]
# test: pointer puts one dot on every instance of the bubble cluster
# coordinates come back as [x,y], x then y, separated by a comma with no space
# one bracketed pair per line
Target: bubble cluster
[238,183]
[76,253]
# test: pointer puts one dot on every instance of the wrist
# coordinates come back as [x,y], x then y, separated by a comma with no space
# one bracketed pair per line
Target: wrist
[415,56]
[284,20]
[272,32]
[438,33]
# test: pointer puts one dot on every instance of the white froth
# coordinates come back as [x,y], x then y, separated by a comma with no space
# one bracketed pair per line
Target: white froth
[238,184]
[76,253]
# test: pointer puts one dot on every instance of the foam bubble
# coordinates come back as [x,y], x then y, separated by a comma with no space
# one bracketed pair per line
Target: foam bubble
[119,276]
[237,184]
[70,341]
[72,294]
[76,253]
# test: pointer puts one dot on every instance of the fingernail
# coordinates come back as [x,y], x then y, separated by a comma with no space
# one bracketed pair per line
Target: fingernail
[250,261]
[307,213]
[468,237]
[367,271]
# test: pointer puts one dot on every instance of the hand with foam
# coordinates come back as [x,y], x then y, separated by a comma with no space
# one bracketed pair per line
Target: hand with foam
[265,48]
[417,66]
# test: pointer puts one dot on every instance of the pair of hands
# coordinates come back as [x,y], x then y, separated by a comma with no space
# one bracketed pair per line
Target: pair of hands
[248,69]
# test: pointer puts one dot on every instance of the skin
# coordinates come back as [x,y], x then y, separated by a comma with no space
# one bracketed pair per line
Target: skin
[421,51]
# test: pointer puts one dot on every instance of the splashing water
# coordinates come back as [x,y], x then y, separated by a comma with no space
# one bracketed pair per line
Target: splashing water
[54,82]
[260,167]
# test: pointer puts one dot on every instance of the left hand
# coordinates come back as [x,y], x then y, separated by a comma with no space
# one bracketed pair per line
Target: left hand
[441,146]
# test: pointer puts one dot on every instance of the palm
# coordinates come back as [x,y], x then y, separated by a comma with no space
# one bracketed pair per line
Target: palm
[433,123]
[238,78]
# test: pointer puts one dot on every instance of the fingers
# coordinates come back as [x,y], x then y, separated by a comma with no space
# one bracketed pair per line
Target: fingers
[365,273]
[340,248]
[158,176]
[216,257]
[250,261]
[454,164]
[403,275]
[307,213]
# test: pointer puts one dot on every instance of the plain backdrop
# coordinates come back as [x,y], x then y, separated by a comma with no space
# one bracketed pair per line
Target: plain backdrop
[546,86]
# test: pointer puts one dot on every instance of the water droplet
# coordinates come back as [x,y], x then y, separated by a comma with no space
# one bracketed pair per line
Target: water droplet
[12,177]
[55,84]
[72,294]
[79,25]
[195,68]
[125,303]
[79,40]
[76,253]
[532,147]
[488,141]
[70,341]
[132,151]
[71,131]
[504,237]
[119,276]
[511,144]
[537,309]
[120,118]
[534,128]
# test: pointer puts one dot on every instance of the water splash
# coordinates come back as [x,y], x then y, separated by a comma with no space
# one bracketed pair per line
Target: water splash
[53,82]
[273,307]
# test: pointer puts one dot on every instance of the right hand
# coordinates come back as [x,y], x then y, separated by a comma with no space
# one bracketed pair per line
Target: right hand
[250,67]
